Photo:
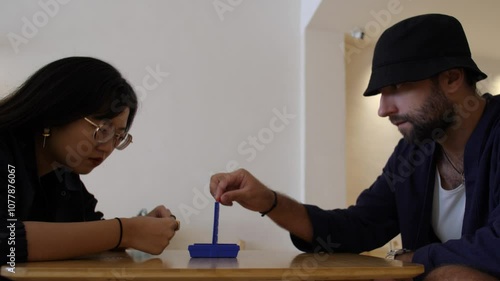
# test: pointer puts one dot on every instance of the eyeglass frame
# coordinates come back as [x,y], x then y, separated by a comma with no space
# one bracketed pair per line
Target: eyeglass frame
[120,145]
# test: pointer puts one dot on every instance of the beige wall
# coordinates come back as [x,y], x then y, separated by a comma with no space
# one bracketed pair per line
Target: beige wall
[369,138]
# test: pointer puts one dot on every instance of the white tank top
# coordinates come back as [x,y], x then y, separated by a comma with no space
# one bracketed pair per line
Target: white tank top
[448,209]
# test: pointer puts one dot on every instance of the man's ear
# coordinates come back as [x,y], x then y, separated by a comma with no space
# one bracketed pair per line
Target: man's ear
[452,80]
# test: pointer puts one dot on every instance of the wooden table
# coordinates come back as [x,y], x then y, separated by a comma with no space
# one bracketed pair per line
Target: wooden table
[249,265]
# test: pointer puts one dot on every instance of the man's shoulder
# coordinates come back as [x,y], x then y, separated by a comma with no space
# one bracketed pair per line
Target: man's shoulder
[492,101]
[491,116]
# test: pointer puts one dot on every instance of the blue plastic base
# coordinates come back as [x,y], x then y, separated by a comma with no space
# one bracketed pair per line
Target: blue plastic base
[199,250]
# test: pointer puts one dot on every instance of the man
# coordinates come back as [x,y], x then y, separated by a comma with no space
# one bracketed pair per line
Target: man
[441,186]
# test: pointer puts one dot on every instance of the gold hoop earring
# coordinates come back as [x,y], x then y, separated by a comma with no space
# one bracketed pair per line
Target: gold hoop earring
[46,133]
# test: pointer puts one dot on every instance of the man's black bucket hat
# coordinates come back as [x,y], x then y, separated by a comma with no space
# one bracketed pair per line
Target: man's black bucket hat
[418,48]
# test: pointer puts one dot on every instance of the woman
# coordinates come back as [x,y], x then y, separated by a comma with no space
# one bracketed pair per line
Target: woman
[64,121]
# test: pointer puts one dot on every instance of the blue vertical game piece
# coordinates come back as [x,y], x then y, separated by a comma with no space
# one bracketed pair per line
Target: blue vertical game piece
[215,235]
[214,250]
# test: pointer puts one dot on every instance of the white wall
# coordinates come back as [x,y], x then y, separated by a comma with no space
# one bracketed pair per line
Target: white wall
[307,11]
[225,73]
[325,115]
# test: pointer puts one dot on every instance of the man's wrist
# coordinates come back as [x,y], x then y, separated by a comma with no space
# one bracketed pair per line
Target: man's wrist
[275,203]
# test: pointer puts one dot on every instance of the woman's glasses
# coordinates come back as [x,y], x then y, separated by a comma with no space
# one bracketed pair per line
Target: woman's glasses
[105,131]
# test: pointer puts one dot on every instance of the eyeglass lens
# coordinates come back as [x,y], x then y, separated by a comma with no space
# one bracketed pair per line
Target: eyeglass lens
[105,132]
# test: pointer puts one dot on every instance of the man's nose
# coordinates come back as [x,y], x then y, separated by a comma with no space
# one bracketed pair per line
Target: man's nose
[386,106]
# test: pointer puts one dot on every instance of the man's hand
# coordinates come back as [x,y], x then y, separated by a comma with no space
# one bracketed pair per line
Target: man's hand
[242,187]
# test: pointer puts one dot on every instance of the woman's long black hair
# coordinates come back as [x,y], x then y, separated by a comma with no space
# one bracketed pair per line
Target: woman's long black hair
[64,91]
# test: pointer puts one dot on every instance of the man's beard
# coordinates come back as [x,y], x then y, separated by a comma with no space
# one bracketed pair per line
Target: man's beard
[429,121]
